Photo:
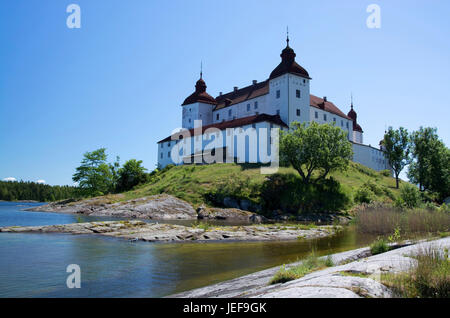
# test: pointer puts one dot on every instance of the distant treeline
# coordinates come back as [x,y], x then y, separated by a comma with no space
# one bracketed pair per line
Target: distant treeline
[21,190]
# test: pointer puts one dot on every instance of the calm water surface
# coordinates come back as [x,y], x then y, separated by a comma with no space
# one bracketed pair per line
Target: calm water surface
[34,265]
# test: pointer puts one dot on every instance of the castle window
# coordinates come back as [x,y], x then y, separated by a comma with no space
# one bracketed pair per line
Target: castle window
[304,81]
[217,117]
[325,117]
[248,107]
[168,144]
[347,124]
[162,155]
[316,115]
[334,119]
[298,112]
[189,120]
[278,112]
[342,123]
[254,126]
[162,145]
[256,105]
[229,113]
[297,93]
[168,154]
[278,93]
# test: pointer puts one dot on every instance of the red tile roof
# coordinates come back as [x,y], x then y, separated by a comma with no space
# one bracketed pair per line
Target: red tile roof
[275,119]
[243,94]
[288,65]
[328,106]
[200,95]
[260,89]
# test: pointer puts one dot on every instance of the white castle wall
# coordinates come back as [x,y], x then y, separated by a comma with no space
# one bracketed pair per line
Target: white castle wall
[370,157]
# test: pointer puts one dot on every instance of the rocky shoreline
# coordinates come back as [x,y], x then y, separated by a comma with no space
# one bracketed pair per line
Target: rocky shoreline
[355,274]
[167,207]
[136,230]
[157,207]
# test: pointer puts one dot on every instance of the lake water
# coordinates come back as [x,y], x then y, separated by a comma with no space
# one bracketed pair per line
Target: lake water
[34,265]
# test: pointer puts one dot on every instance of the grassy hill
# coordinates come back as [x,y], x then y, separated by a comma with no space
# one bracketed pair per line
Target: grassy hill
[194,183]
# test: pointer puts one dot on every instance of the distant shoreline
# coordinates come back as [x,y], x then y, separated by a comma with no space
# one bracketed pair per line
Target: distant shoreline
[24,201]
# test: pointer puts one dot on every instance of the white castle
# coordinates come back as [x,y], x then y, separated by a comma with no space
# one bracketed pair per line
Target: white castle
[219,123]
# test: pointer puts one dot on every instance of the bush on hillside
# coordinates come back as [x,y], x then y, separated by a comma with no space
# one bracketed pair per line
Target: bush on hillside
[287,192]
[410,197]
[386,173]
[235,188]
[364,195]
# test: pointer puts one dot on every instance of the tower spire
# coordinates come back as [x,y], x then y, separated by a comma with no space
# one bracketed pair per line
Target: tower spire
[201,69]
[351,97]
[287,36]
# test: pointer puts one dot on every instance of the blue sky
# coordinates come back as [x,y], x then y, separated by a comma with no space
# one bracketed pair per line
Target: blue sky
[118,82]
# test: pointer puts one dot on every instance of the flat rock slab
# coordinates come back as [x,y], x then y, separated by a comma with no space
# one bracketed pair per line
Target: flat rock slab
[356,275]
[154,232]
[151,207]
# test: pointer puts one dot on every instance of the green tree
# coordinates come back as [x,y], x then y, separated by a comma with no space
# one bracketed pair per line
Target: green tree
[94,176]
[315,148]
[430,168]
[131,174]
[396,143]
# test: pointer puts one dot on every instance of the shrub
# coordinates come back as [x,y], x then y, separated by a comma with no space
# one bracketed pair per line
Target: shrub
[364,195]
[290,194]
[386,173]
[376,189]
[233,187]
[410,196]
[379,246]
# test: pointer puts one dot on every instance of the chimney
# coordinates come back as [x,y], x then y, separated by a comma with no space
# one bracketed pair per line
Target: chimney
[235,88]
[254,82]
[324,99]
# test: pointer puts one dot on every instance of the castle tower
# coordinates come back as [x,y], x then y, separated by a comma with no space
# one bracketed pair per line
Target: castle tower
[198,106]
[289,88]
[357,130]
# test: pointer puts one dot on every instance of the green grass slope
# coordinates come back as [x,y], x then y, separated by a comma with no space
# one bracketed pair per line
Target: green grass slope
[191,183]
